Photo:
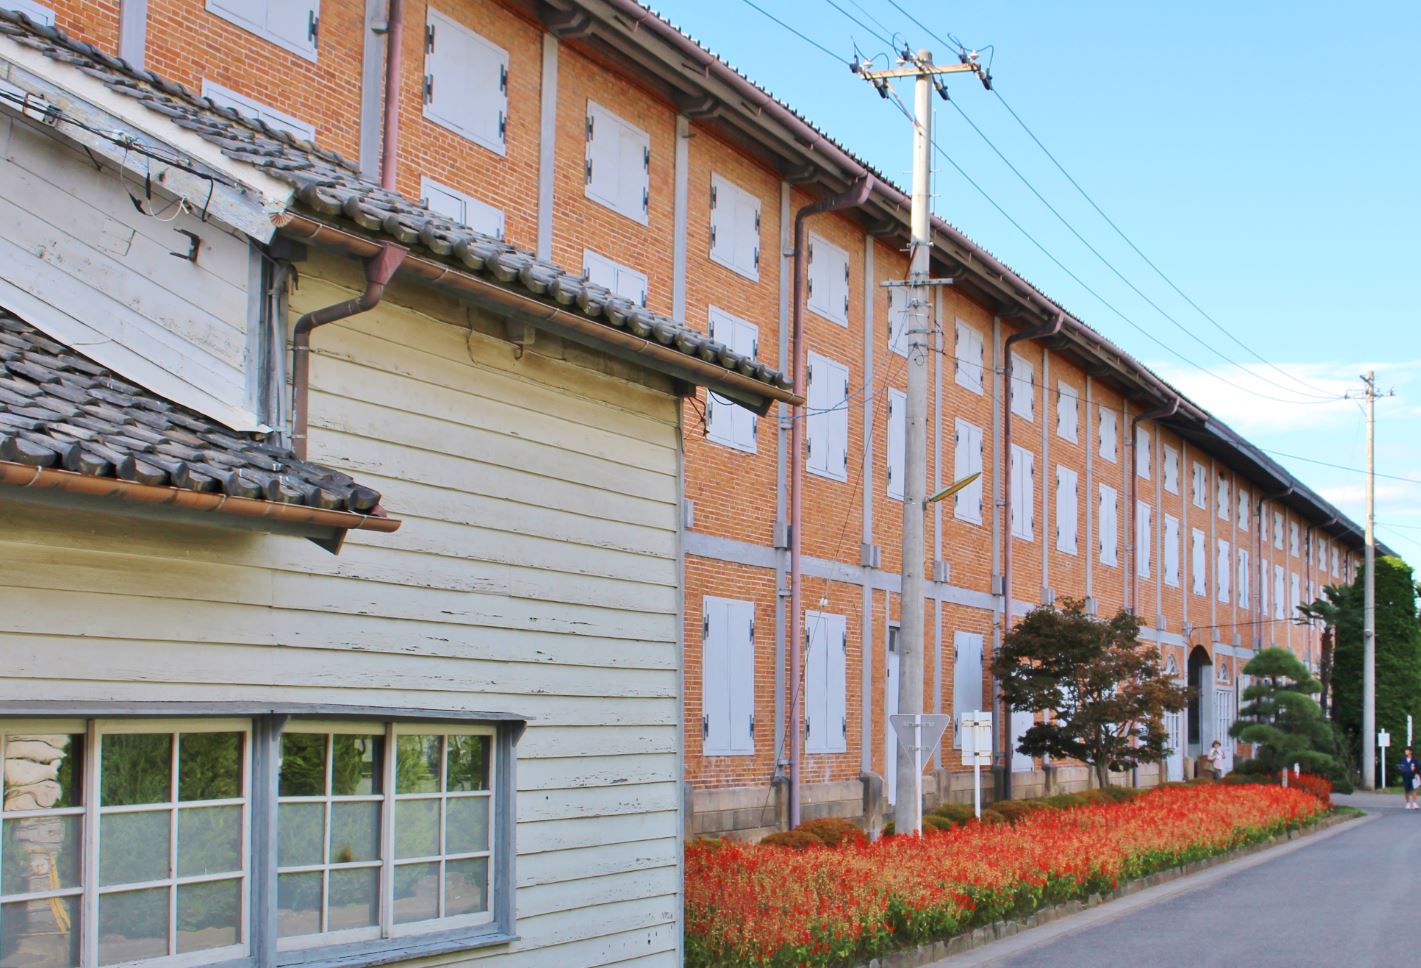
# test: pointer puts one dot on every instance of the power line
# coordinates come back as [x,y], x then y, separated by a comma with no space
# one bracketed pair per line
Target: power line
[813,43]
[1340,467]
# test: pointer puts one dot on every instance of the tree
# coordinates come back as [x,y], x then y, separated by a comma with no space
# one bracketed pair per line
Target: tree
[1109,693]
[1281,719]
[1325,610]
[1398,653]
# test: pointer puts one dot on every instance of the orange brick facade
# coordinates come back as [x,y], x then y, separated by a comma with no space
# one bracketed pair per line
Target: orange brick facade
[733,493]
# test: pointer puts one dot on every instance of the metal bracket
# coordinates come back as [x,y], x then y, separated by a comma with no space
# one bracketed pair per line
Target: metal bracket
[194,244]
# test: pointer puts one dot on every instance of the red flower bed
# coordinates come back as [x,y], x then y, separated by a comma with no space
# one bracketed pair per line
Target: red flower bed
[768,906]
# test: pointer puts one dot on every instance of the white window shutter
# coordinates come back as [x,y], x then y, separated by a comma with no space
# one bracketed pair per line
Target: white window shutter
[1108,435]
[967,460]
[746,255]
[460,208]
[634,173]
[466,82]
[1023,389]
[740,648]
[1223,568]
[968,358]
[1143,544]
[1278,604]
[1294,600]
[838,685]
[898,320]
[1243,502]
[1243,595]
[828,281]
[1067,499]
[1143,457]
[1067,412]
[618,163]
[1197,563]
[1224,503]
[827,430]
[897,426]
[1023,492]
[1171,551]
[715,678]
[1108,525]
[293,23]
[722,221]
[1200,488]
[1171,470]
[966,679]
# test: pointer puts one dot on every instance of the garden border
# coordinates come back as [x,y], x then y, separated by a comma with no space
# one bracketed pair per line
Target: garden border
[929,954]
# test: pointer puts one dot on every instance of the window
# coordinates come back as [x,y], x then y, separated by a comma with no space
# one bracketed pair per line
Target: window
[1108,525]
[621,280]
[1263,588]
[1243,571]
[292,24]
[1295,592]
[465,82]
[1278,530]
[734,228]
[1022,389]
[1243,508]
[1171,470]
[223,97]
[826,724]
[1142,539]
[1067,501]
[38,13]
[1334,561]
[827,420]
[1223,568]
[1279,606]
[728,677]
[828,279]
[1197,562]
[897,441]
[1143,457]
[1067,412]
[1223,504]
[137,840]
[899,317]
[1023,493]
[967,460]
[966,679]
[1108,434]
[968,358]
[729,423]
[618,164]
[1200,487]
[461,209]
[1293,538]
[1171,551]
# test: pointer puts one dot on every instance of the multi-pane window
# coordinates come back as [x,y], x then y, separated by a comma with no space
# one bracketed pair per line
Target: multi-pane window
[460,208]
[968,360]
[136,841]
[1067,411]
[622,280]
[828,280]
[1108,434]
[727,422]
[1171,470]
[252,108]
[465,82]
[1022,391]
[617,168]
[734,227]
[291,24]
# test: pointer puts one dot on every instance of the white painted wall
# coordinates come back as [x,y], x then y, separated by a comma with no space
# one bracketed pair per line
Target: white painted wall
[80,262]
[535,573]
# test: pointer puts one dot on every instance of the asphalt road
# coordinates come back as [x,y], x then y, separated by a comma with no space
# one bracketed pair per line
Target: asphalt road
[1348,898]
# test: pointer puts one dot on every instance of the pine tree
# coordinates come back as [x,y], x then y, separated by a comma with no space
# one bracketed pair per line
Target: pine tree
[1282,720]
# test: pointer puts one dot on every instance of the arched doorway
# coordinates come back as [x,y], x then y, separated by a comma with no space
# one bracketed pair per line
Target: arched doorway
[1201,695]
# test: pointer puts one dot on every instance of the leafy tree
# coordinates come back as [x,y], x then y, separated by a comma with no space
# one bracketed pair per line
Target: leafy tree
[1281,718]
[1324,610]
[1398,653]
[1108,692]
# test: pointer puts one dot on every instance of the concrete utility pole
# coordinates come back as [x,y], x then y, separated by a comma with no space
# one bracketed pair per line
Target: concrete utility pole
[919,332]
[1369,612]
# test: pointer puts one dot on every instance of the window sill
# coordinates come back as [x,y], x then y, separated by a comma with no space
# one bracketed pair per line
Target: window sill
[388,951]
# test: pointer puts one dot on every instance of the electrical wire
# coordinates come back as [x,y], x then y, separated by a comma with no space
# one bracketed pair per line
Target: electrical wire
[1340,467]
[813,43]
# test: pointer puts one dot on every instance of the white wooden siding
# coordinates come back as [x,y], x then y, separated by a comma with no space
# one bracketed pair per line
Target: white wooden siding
[535,574]
[79,262]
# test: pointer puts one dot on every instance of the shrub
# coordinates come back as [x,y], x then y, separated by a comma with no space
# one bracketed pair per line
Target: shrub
[991,815]
[793,839]
[1318,786]
[1014,810]
[954,812]
[833,831]
[932,822]
[1065,801]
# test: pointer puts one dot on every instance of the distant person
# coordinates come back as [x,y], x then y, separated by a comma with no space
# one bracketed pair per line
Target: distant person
[1408,768]
[1216,760]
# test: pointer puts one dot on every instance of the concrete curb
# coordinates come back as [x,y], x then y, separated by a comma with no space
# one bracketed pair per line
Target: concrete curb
[986,934]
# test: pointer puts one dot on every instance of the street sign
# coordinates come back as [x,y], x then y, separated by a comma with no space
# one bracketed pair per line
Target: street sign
[1408,730]
[977,750]
[1383,738]
[932,727]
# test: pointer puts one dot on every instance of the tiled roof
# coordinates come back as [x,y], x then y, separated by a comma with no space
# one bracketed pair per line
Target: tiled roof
[60,409]
[329,185]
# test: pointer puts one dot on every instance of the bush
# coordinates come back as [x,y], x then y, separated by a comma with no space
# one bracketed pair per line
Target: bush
[793,839]
[1014,810]
[1065,801]
[833,831]
[1318,786]
[954,812]
[937,824]
[992,815]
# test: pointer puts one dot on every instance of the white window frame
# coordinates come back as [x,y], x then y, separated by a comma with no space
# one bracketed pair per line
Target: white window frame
[897,442]
[727,422]
[473,213]
[625,281]
[1109,441]
[1022,391]
[734,211]
[1068,413]
[633,155]
[254,109]
[1171,469]
[233,14]
[827,265]
[969,373]
[39,13]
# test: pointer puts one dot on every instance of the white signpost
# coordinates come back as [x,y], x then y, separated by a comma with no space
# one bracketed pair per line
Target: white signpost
[977,750]
[1383,740]
[1408,732]
[918,733]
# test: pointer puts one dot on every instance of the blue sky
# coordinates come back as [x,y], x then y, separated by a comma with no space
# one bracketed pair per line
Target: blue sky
[1264,155]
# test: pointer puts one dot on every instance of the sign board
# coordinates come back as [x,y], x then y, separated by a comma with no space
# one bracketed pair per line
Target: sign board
[1383,738]
[928,734]
[976,729]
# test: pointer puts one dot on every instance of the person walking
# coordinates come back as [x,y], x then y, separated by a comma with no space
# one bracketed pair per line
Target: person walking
[1408,768]
[1216,760]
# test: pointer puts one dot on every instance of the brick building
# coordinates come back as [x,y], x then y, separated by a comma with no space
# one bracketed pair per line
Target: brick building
[597,136]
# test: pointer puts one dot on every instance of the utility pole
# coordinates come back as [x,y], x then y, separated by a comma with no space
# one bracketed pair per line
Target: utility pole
[919,333]
[1369,612]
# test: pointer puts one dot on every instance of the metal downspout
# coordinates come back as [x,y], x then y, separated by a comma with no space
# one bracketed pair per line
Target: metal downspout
[390,136]
[378,272]
[1159,413]
[857,194]
[1031,335]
